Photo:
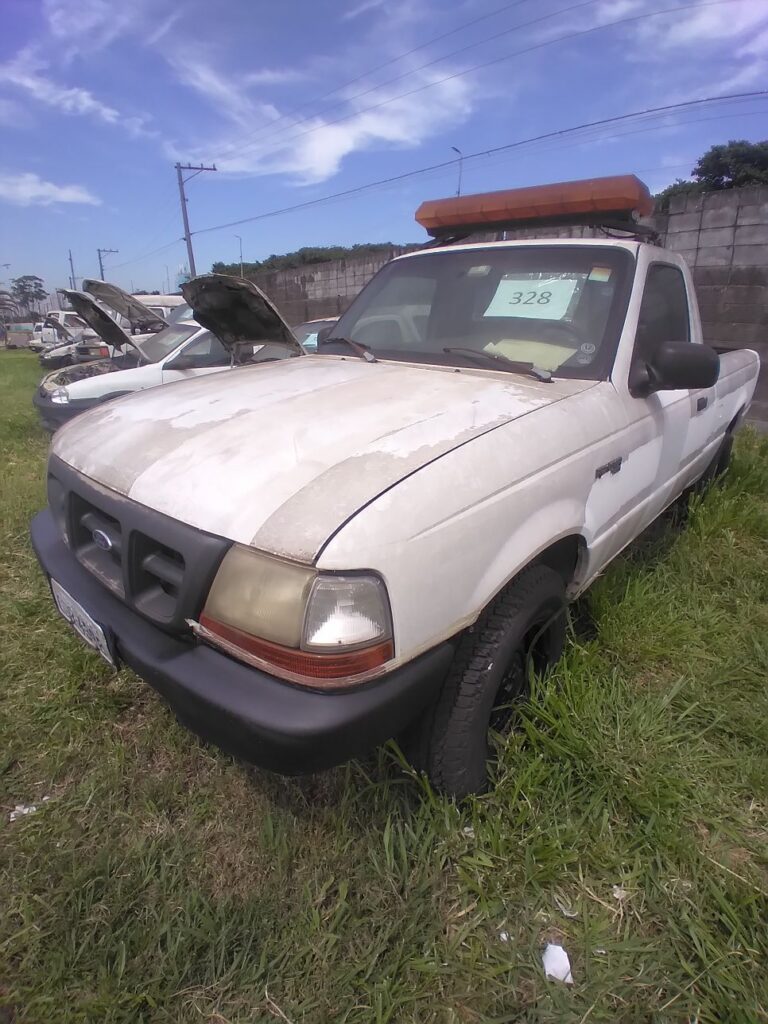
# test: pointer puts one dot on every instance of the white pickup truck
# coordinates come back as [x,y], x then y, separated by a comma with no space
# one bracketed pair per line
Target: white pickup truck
[380,539]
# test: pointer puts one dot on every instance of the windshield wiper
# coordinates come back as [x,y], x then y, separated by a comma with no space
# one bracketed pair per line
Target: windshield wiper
[363,351]
[512,364]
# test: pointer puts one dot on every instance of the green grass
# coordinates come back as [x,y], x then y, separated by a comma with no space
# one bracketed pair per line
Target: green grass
[163,881]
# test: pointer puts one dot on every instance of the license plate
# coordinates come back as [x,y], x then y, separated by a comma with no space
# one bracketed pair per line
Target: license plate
[82,623]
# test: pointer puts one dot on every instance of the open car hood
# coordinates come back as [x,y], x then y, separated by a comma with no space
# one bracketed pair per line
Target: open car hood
[237,312]
[99,321]
[139,315]
[61,332]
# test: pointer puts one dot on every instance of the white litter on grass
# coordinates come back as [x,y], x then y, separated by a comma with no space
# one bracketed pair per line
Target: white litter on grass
[619,893]
[556,963]
[20,810]
[468,831]
[504,936]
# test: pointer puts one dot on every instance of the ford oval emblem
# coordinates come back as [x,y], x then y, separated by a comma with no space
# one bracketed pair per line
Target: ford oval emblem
[102,540]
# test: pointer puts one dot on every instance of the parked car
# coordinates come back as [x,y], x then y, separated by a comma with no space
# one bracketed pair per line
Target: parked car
[306,333]
[36,343]
[380,539]
[184,349]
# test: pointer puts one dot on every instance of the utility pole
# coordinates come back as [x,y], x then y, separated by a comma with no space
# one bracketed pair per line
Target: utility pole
[184,215]
[167,281]
[241,253]
[102,253]
[72,278]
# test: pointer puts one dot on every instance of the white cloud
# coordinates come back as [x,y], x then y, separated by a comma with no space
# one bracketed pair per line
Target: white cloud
[83,26]
[225,95]
[26,72]
[272,76]
[362,8]
[314,149]
[69,100]
[29,189]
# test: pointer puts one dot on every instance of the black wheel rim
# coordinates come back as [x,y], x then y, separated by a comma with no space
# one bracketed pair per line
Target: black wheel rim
[532,652]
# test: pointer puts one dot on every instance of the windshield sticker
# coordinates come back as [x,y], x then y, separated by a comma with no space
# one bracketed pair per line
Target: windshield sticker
[533,298]
[602,274]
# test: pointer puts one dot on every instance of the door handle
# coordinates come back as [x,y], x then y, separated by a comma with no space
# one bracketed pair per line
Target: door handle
[612,467]
[702,403]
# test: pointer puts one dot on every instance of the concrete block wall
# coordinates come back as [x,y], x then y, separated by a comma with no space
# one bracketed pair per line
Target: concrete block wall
[724,238]
[321,289]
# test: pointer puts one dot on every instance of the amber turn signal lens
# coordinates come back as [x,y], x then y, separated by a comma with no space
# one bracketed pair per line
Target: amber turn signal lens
[325,671]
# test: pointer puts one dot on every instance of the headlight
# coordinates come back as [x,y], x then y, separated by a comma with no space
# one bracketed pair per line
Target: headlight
[319,629]
[60,396]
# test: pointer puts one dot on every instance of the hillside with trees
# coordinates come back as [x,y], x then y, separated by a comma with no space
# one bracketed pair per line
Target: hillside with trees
[305,256]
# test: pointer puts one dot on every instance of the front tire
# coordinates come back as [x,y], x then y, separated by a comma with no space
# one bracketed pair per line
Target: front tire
[524,625]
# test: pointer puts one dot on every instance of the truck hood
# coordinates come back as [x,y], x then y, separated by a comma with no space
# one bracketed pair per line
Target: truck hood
[137,314]
[280,456]
[237,312]
[99,321]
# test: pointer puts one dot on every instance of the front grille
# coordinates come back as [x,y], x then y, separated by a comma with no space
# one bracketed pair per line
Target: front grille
[159,566]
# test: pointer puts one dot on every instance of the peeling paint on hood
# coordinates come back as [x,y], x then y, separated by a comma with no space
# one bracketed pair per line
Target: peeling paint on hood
[237,312]
[279,456]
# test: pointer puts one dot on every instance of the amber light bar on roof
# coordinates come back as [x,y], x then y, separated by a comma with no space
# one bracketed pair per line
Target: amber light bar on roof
[614,201]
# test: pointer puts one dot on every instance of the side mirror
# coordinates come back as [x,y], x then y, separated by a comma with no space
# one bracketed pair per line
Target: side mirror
[675,365]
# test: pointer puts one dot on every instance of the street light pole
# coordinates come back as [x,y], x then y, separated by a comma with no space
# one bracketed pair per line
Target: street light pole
[241,254]
[461,167]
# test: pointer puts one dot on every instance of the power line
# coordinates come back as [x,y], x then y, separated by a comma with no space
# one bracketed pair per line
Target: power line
[517,53]
[436,60]
[380,67]
[146,255]
[603,122]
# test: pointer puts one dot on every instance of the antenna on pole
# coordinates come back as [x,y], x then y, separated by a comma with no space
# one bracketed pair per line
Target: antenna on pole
[72,278]
[184,214]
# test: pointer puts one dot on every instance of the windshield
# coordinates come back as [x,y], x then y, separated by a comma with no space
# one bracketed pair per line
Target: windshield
[306,334]
[161,344]
[180,312]
[558,307]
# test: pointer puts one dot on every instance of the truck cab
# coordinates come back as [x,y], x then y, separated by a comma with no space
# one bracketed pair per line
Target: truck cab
[380,539]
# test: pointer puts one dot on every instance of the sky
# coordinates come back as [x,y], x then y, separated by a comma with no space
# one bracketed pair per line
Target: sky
[299,100]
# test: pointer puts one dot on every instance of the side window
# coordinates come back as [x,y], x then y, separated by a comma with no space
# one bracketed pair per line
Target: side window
[664,310]
[207,350]
[73,321]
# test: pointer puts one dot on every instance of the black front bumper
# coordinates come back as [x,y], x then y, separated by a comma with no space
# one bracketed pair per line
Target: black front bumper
[244,711]
[53,416]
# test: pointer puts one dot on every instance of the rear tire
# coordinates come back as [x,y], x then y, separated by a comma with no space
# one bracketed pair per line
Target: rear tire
[525,624]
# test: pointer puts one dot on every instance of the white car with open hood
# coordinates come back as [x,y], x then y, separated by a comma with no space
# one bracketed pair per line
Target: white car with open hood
[308,557]
[181,350]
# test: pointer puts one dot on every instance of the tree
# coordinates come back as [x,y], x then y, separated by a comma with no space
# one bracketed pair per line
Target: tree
[304,257]
[678,188]
[8,307]
[28,289]
[732,165]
